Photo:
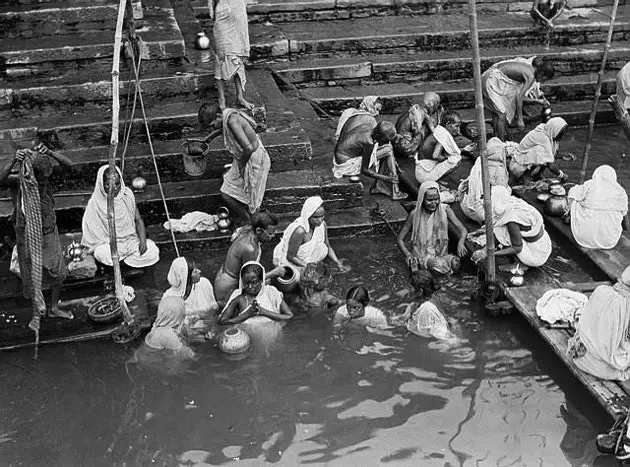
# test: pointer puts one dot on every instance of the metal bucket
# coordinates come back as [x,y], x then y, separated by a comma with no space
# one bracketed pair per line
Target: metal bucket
[194,156]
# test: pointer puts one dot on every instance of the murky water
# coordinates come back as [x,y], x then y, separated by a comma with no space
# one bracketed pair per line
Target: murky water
[499,397]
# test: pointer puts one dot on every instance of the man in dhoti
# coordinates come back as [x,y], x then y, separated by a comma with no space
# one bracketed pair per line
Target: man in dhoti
[439,153]
[231,46]
[415,125]
[244,184]
[507,85]
[362,147]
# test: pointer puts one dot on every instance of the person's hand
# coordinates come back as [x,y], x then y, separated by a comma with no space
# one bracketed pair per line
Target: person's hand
[520,124]
[255,308]
[441,158]
[19,156]
[142,247]
[343,268]
[479,255]
[42,149]
[461,249]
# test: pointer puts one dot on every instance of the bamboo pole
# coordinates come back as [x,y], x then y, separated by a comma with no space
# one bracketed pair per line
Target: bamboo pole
[598,93]
[481,123]
[111,223]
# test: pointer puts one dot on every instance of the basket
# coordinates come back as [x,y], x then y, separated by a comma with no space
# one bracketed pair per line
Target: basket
[105,310]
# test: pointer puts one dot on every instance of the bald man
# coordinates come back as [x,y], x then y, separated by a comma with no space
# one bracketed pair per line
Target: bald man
[414,125]
[365,147]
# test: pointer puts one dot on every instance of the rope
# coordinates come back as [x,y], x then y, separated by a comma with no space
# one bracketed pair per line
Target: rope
[129,121]
[157,172]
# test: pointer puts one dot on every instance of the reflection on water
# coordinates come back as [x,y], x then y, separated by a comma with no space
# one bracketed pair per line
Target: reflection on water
[367,399]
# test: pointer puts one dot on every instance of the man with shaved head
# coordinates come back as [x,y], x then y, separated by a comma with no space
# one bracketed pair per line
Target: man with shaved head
[416,124]
[365,147]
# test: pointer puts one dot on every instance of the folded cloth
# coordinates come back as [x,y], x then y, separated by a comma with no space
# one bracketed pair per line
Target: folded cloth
[561,305]
[196,220]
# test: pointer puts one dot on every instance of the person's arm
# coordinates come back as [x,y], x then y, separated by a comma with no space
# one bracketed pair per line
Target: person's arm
[516,239]
[522,73]
[331,253]
[536,14]
[563,5]
[556,171]
[284,315]
[245,136]
[437,155]
[6,170]
[211,9]
[60,158]
[381,152]
[227,315]
[213,134]
[142,232]
[403,234]
[295,242]
[461,232]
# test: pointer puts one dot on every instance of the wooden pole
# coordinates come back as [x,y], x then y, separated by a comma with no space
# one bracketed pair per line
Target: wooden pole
[598,93]
[111,223]
[481,123]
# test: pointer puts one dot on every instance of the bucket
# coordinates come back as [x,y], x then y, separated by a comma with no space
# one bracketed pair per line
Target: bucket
[289,280]
[194,156]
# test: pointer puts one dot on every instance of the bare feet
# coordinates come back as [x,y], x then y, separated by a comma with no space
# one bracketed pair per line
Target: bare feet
[55,312]
[244,103]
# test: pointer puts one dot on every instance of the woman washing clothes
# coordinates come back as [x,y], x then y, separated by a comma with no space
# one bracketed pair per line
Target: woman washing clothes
[196,291]
[601,345]
[305,240]
[520,229]
[166,333]
[537,151]
[429,226]
[599,210]
[370,106]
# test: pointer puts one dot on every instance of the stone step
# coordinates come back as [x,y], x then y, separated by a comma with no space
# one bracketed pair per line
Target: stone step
[401,34]
[441,65]
[60,18]
[285,193]
[161,41]
[455,95]
[320,10]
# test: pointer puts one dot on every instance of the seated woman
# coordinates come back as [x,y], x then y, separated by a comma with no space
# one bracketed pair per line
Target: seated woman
[357,311]
[599,209]
[370,106]
[471,189]
[439,153]
[601,345]
[429,225]
[537,151]
[186,282]
[520,229]
[305,240]
[134,248]
[166,331]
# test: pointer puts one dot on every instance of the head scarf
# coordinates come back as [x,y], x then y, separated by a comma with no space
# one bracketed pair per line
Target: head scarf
[507,208]
[366,107]
[430,230]
[602,192]
[269,297]
[539,146]
[169,321]
[95,228]
[177,277]
[309,207]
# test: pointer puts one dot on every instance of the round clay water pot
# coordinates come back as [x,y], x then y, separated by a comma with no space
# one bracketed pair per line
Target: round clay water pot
[234,341]
[289,281]
[139,184]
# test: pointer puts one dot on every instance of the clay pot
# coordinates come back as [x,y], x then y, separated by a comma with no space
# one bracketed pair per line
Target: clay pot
[289,281]
[234,341]
[138,184]
[202,42]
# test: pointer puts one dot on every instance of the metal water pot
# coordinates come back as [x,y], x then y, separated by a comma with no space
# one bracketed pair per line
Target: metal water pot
[557,204]
[139,184]
[224,223]
[202,42]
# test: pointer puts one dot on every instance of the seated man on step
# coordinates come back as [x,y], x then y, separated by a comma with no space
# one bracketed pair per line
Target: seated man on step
[134,248]
[415,125]
[362,147]
[439,153]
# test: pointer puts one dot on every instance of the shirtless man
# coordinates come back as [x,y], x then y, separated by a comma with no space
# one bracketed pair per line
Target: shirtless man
[246,246]
[505,86]
[439,153]
[416,124]
[364,143]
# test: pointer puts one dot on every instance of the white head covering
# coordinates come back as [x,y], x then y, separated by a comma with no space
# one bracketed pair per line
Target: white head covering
[603,193]
[268,297]
[177,278]
[95,228]
[365,108]
[309,207]
[167,325]
[539,146]
[507,208]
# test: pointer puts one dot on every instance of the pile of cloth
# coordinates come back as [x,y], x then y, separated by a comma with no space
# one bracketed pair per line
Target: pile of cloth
[561,305]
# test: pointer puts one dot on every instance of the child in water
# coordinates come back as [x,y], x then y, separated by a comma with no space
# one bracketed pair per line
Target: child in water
[357,310]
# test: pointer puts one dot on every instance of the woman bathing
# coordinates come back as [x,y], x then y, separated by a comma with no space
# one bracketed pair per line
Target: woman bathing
[167,328]
[358,311]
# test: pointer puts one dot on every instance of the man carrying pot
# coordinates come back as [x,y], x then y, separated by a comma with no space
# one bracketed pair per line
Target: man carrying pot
[244,184]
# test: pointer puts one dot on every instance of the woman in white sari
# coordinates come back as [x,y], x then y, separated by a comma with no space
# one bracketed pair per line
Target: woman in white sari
[598,210]
[305,240]
[186,282]
[601,345]
[167,328]
[134,249]
[520,229]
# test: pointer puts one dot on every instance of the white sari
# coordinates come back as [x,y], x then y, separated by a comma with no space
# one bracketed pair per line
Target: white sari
[200,301]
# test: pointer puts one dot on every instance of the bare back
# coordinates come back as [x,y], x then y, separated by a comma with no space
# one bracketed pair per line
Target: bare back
[517,70]
[355,138]
[245,248]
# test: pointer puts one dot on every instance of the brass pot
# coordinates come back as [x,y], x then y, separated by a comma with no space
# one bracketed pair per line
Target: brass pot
[556,205]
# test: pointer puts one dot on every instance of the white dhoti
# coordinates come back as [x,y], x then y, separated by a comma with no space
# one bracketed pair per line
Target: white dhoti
[501,93]
[348,168]
[428,170]
[129,253]
[535,254]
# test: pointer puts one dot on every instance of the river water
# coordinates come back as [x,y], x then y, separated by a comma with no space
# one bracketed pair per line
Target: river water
[498,397]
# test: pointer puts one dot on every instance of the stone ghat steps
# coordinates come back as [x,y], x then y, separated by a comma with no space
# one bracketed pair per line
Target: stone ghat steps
[364,69]
[320,10]
[161,40]
[285,193]
[60,18]
[45,4]
[401,34]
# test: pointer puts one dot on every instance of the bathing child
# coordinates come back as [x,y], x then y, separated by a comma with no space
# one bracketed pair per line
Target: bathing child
[358,311]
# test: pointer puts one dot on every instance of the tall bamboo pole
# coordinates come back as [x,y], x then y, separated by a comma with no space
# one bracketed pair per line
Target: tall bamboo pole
[598,93]
[111,223]
[481,123]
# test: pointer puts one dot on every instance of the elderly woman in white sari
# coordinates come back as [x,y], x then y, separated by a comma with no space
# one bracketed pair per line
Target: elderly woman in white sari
[520,230]
[305,240]
[370,105]
[471,190]
[167,328]
[601,345]
[134,248]
[439,153]
[186,282]
[598,210]
[537,151]
[429,225]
